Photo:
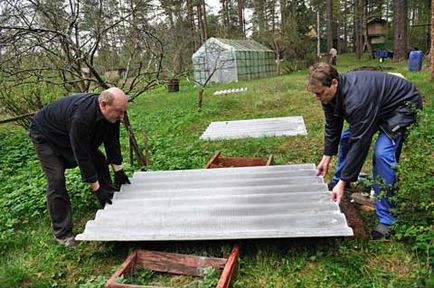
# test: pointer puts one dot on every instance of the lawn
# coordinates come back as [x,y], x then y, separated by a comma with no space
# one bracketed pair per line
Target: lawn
[29,256]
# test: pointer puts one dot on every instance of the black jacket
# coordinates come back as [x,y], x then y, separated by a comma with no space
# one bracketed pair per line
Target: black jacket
[75,128]
[368,101]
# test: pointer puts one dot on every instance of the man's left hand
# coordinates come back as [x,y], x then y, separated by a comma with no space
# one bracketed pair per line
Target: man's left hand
[121,178]
[338,192]
[323,166]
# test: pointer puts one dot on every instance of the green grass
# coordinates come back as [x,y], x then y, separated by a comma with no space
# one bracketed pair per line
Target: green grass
[30,258]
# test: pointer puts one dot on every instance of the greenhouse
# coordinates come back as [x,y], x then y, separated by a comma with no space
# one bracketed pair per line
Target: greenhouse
[226,60]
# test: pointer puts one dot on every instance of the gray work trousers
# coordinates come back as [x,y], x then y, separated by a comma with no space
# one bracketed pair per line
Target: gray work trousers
[58,201]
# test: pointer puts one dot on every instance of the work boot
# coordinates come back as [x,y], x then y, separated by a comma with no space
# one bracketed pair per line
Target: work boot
[382,231]
[68,241]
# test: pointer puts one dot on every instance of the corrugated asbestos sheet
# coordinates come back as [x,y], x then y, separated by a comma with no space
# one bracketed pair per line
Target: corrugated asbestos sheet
[229,203]
[283,126]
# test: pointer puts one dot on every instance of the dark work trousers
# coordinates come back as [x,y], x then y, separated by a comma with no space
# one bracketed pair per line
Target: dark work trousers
[58,202]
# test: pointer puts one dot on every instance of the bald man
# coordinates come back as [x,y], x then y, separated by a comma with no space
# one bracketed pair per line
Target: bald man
[67,133]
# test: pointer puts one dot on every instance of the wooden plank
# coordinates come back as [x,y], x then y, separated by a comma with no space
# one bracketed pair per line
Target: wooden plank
[241,162]
[362,200]
[217,161]
[124,285]
[125,268]
[213,160]
[229,271]
[270,160]
[177,263]
[367,208]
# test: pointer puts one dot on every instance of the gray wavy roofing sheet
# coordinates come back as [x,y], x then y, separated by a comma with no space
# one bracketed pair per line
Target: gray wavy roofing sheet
[228,203]
[281,126]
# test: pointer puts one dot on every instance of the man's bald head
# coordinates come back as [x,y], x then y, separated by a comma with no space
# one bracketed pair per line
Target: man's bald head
[113,103]
[112,93]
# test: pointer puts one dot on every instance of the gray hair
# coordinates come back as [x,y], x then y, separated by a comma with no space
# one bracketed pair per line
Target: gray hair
[322,72]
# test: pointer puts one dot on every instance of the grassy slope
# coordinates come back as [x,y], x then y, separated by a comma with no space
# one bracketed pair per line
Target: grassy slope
[30,257]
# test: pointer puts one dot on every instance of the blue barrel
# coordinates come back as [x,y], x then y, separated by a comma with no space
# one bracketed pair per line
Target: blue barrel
[415,60]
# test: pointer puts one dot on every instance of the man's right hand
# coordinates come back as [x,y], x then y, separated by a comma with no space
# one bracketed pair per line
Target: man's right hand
[104,196]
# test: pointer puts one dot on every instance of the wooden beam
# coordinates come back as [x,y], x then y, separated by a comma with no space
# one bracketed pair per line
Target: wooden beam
[362,200]
[230,269]
[270,160]
[125,268]
[177,263]
[212,160]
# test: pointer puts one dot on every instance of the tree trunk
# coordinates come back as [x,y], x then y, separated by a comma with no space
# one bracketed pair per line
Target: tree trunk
[259,17]
[283,17]
[366,42]
[133,143]
[198,13]
[241,23]
[294,16]
[358,39]
[400,9]
[329,23]
[192,25]
[204,21]
[344,46]
[223,16]
[273,15]
[200,99]
[432,41]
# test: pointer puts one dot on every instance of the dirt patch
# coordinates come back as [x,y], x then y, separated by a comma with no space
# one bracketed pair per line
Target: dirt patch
[353,218]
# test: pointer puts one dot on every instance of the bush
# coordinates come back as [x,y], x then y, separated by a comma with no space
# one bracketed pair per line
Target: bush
[22,194]
[415,204]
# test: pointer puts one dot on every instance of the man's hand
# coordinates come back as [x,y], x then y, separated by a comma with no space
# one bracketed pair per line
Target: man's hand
[104,196]
[323,166]
[121,178]
[338,192]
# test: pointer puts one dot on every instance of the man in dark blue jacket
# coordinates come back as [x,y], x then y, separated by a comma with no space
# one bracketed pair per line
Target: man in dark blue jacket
[370,102]
[67,134]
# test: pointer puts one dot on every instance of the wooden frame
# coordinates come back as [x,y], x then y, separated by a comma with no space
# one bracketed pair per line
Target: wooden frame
[174,263]
[217,161]
[366,203]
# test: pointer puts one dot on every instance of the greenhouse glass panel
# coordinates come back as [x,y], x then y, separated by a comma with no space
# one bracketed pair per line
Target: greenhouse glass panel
[226,60]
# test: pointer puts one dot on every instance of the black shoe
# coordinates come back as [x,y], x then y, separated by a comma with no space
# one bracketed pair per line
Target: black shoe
[68,241]
[382,231]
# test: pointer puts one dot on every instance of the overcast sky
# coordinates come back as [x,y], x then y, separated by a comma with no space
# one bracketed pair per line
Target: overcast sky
[213,4]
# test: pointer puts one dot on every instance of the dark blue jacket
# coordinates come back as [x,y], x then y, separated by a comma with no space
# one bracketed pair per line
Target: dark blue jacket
[368,101]
[75,128]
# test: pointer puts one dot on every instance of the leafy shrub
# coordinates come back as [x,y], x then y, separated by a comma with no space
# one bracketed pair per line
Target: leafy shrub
[415,197]
[210,277]
[22,194]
